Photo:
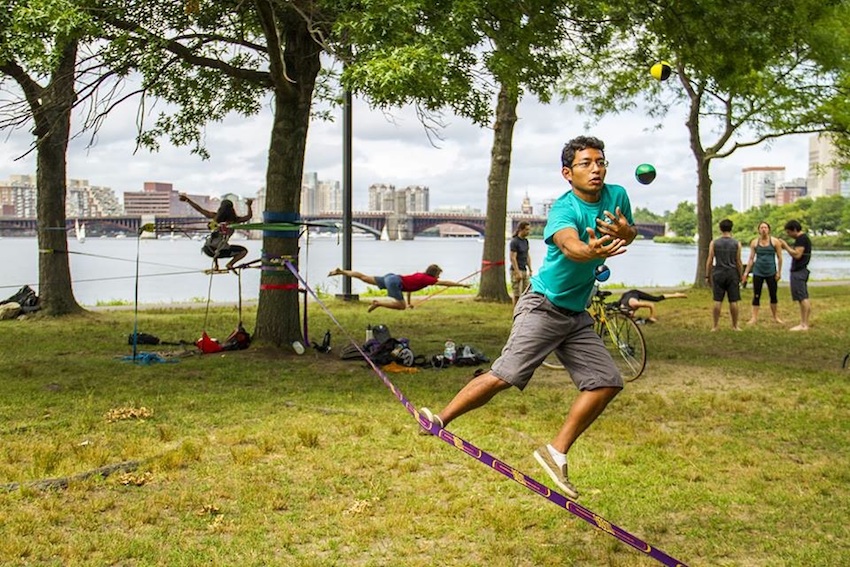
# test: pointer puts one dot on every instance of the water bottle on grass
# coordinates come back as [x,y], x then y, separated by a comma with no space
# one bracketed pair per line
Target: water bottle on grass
[450,352]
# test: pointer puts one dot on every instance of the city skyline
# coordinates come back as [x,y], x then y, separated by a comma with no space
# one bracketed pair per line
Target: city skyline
[400,153]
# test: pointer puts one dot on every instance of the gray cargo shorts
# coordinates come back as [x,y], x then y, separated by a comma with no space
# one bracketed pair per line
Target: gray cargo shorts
[539,328]
[800,284]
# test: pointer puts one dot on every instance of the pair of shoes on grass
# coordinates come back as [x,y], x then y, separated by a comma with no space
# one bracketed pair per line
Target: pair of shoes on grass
[544,457]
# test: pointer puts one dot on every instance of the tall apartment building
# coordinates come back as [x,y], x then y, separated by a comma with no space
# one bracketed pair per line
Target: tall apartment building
[381,197]
[329,197]
[758,186]
[309,193]
[19,194]
[825,177]
[319,196]
[411,199]
[18,197]
[85,200]
[417,198]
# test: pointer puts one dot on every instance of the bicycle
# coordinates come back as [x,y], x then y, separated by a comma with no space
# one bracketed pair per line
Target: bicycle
[621,334]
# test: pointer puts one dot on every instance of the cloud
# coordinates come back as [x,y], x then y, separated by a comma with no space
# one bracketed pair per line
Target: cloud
[395,148]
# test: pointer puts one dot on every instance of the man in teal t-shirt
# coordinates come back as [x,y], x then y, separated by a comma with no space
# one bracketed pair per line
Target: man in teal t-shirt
[587,225]
[564,281]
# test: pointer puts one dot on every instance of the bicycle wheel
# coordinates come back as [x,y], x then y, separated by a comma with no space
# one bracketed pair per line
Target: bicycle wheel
[624,340]
[552,362]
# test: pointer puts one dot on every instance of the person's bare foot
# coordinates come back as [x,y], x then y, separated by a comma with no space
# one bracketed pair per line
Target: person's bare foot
[752,321]
[714,329]
[736,328]
[372,307]
[335,272]
[779,321]
[799,328]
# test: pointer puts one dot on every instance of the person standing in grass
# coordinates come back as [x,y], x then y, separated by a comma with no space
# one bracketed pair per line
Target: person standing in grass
[765,263]
[723,273]
[520,259]
[800,253]
[587,225]
[396,285]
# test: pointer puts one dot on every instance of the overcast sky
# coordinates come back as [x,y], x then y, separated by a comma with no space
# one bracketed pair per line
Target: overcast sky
[396,150]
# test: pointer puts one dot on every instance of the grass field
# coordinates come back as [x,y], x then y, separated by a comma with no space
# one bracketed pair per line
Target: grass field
[732,449]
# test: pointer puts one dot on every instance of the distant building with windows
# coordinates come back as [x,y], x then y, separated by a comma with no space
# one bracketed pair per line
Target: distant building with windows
[154,199]
[526,207]
[86,200]
[18,197]
[320,196]
[758,186]
[160,199]
[790,191]
[826,177]
[385,197]
[417,198]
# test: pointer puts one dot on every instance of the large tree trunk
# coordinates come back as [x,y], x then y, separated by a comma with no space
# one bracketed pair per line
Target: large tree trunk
[703,160]
[493,283]
[704,221]
[278,308]
[52,116]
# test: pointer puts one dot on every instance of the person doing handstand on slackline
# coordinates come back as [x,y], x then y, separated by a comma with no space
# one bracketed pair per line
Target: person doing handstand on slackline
[635,299]
[395,285]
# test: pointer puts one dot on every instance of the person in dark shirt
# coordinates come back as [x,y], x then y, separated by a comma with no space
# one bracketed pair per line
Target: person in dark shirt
[800,253]
[396,284]
[520,260]
[723,270]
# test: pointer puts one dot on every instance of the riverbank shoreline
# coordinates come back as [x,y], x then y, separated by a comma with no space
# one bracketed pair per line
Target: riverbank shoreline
[367,299]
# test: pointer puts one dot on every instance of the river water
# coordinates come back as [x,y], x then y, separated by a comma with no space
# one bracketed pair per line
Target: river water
[171,269]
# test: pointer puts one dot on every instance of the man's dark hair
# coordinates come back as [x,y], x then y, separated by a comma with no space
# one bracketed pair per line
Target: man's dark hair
[578,144]
[520,226]
[794,225]
[725,225]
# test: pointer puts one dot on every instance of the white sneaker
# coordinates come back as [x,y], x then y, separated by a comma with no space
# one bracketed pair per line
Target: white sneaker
[427,414]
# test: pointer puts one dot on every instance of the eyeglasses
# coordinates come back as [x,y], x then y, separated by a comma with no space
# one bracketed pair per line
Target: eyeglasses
[602,163]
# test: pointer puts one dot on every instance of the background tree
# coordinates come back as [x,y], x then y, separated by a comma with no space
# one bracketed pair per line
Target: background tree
[724,211]
[745,73]
[683,221]
[506,49]
[826,214]
[39,41]
[230,55]
[642,215]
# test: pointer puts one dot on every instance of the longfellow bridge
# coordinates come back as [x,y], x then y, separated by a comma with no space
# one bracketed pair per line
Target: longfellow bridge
[397,226]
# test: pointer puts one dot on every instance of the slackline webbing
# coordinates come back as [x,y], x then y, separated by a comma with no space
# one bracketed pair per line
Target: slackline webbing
[485,458]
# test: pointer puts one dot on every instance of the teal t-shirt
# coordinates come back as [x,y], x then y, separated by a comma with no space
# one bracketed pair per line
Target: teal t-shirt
[567,283]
